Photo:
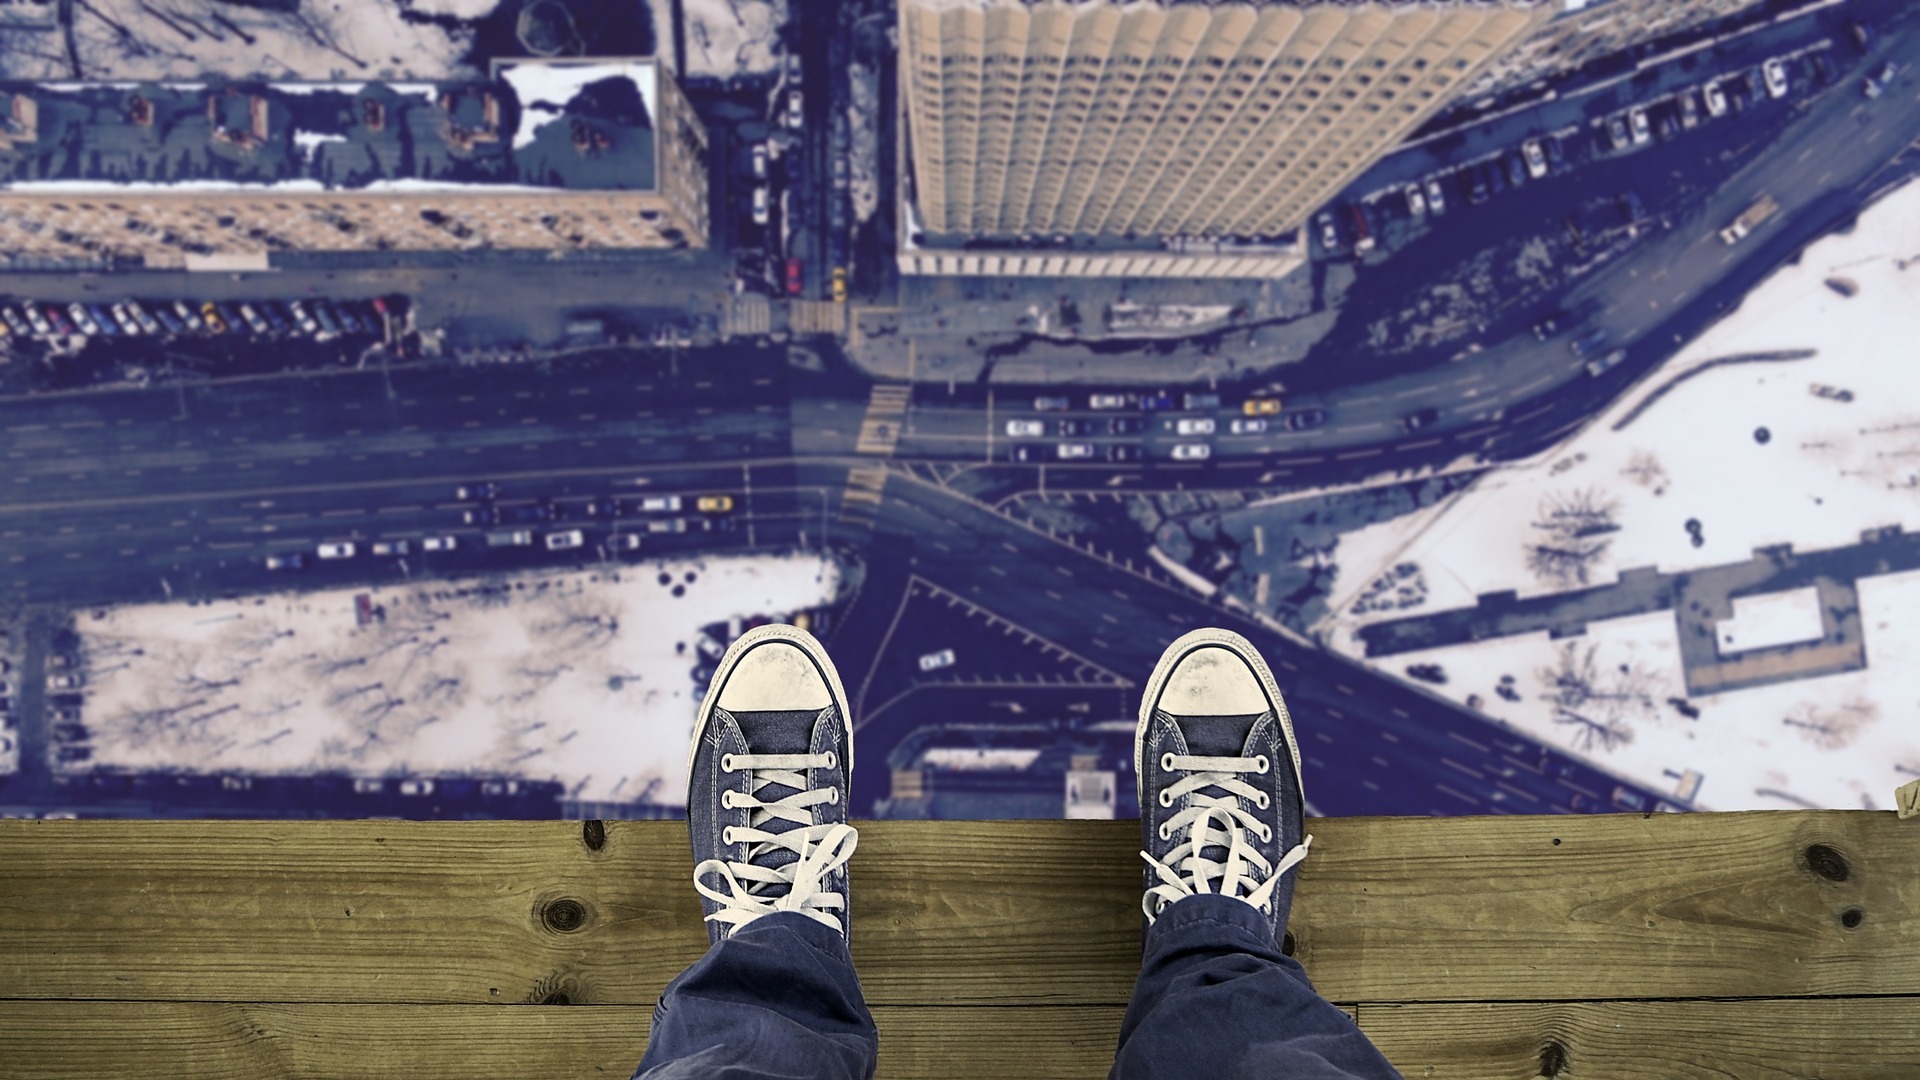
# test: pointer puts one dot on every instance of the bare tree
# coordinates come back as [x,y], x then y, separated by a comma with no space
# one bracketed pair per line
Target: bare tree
[1831,727]
[1599,704]
[1644,468]
[1576,528]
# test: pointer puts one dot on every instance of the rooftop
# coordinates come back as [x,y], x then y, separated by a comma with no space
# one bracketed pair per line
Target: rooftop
[538,126]
[1776,943]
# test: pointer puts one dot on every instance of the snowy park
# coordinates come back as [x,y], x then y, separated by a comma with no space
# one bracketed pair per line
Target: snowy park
[580,677]
[1794,422]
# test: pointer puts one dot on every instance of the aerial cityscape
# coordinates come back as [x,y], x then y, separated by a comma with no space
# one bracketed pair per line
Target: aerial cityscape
[406,402]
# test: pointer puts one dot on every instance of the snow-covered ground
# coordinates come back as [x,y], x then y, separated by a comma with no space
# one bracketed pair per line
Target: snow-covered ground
[580,677]
[726,38]
[1682,475]
[198,39]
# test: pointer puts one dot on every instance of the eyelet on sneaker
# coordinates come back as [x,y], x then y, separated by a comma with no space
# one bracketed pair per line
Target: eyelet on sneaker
[726,835]
[833,796]
[1266,834]
[832,761]
[726,800]
[1164,835]
[1166,762]
[1261,760]
[1166,796]
[1264,800]
[726,762]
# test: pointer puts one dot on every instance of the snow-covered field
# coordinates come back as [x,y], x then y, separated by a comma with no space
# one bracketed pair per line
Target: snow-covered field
[199,39]
[580,677]
[1808,452]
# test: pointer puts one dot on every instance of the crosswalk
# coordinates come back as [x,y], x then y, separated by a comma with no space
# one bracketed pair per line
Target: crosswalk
[886,413]
[860,502]
[817,317]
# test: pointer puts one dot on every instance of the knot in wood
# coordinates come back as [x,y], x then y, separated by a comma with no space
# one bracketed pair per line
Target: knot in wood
[1553,1058]
[1827,862]
[595,835]
[564,916]
[1851,917]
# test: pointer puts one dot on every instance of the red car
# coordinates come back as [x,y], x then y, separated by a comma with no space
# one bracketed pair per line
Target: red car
[794,282]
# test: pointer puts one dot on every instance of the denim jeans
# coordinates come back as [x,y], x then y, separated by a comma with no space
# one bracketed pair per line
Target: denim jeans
[1216,998]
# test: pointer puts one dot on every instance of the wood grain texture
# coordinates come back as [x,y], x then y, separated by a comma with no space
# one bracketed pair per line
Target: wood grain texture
[974,913]
[1832,1038]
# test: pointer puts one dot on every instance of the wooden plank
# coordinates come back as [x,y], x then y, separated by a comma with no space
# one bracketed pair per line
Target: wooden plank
[1416,909]
[1833,1038]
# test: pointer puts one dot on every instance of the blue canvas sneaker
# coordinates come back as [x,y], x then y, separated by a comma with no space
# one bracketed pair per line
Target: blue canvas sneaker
[1222,809]
[767,784]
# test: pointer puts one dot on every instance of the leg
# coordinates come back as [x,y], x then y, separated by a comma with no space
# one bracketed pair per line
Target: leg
[775,997]
[778,998]
[1217,998]
[1222,821]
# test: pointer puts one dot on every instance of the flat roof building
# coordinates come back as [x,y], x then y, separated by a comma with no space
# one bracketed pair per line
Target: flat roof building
[1584,31]
[1168,138]
[546,155]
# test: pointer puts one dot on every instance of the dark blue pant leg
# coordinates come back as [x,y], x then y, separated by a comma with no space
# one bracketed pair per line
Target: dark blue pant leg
[778,1000]
[1217,998]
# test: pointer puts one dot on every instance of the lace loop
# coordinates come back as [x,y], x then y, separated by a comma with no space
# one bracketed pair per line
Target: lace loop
[820,848]
[1215,821]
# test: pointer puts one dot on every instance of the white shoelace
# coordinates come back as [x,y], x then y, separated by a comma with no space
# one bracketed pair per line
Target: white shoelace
[1199,820]
[822,848]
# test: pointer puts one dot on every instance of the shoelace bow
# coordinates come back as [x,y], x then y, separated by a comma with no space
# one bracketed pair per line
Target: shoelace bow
[821,848]
[1199,820]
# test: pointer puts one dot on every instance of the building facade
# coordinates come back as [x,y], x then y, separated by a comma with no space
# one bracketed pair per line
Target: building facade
[1122,131]
[545,156]
[1587,30]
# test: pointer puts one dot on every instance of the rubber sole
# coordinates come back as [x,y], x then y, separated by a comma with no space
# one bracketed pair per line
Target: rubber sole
[759,635]
[1209,637]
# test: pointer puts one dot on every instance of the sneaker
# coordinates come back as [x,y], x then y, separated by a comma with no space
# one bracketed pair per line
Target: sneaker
[767,784]
[1222,809]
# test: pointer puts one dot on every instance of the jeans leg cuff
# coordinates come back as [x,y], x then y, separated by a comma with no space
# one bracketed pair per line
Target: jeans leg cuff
[811,932]
[1213,915]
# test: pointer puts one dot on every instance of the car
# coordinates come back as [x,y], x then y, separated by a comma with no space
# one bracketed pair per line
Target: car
[1070,428]
[1260,407]
[838,283]
[61,324]
[796,114]
[760,212]
[342,319]
[416,787]
[277,320]
[1362,235]
[168,320]
[795,282]
[1617,132]
[1546,327]
[1051,404]
[934,661]
[1774,71]
[69,680]
[393,548]
[292,560]
[103,318]
[1329,232]
[1630,800]
[254,320]
[1642,131]
[1191,451]
[1302,419]
[1689,110]
[604,507]
[1196,402]
[1156,402]
[341,550]
[474,492]
[1877,83]
[1416,202]
[1419,418]
[1193,425]
[1588,343]
[1496,176]
[1247,427]
[1536,158]
[1715,98]
[148,324]
[1026,429]
[439,543]
[667,525]
[1124,453]
[189,317]
[1516,171]
[81,319]
[125,318]
[759,157]
[1599,367]
[1436,200]
[210,315]
[1073,451]
[331,325]
[1107,401]
[1126,425]
[38,320]
[481,515]
[14,322]
[1025,452]
[565,541]
[59,661]
[624,541]
[660,504]
[303,318]
[500,787]
[1474,183]
[716,524]
[714,504]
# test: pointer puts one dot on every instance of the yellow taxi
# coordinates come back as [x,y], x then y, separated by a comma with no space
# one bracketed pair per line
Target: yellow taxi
[1261,406]
[839,284]
[211,317]
[714,504]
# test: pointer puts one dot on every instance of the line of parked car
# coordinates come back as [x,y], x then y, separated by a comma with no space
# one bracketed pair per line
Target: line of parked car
[1258,415]
[316,318]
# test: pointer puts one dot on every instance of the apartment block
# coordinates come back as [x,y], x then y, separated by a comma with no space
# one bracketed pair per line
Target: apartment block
[544,156]
[1175,134]
[1587,30]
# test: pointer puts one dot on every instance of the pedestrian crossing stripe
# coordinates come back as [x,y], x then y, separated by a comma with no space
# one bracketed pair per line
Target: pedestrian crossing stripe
[880,430]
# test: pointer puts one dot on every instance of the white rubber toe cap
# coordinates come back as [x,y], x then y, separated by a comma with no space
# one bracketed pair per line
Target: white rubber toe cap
[774,675]
[1213,681]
